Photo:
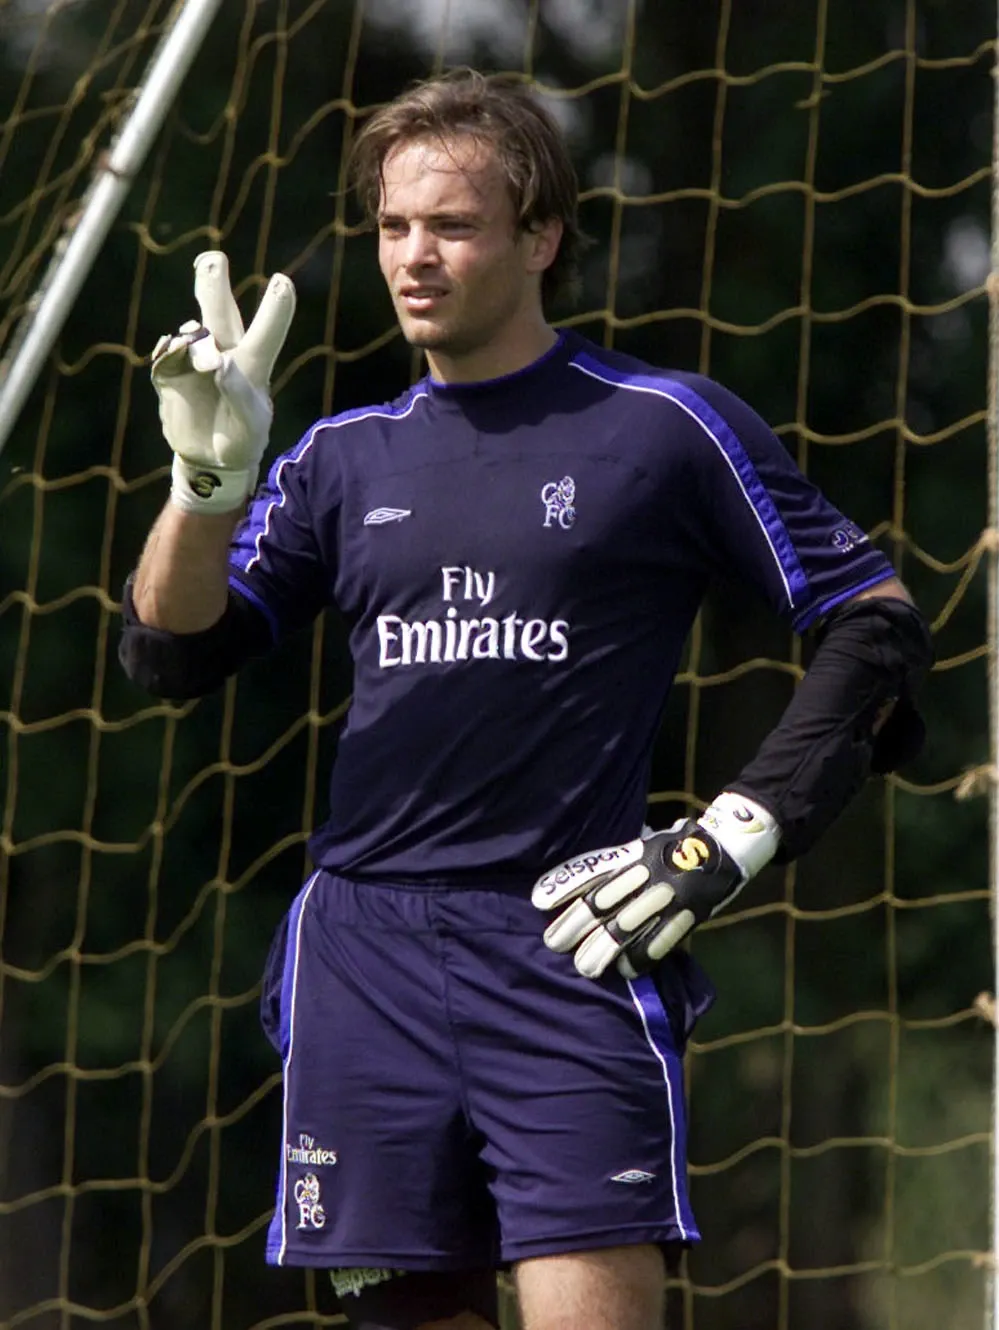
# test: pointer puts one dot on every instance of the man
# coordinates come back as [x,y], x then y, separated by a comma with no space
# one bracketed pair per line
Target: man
[519,545]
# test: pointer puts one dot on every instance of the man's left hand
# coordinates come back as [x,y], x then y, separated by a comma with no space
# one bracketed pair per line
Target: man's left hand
[631,904]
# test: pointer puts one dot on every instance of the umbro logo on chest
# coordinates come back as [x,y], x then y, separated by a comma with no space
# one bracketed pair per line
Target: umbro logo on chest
[379,516]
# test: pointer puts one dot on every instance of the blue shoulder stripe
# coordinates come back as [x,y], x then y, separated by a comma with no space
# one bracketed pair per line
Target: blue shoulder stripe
[725,439]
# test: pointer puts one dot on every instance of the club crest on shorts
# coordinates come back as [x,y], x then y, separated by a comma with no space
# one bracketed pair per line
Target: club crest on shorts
[310,1213]
[559,498]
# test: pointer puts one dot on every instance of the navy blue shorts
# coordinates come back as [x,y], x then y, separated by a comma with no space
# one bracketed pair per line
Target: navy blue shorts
[457,1096]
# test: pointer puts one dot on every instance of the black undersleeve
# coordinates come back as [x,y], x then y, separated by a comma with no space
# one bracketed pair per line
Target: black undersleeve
[182,665]
[872,653]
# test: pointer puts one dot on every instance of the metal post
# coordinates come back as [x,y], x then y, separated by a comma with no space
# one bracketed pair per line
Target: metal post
[992,1308]
[47,311]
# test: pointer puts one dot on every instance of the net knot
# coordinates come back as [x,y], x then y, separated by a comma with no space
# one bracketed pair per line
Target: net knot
[975,781]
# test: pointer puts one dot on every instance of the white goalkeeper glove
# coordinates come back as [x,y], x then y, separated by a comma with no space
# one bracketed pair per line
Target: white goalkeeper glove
[631,904]
[213,384]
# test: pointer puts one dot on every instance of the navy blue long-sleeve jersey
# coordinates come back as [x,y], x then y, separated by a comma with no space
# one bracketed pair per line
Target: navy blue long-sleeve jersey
[519,563]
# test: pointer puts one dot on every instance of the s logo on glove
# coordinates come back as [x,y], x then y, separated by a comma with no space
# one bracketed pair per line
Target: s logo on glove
[204,483]
[631,904]
[690,854]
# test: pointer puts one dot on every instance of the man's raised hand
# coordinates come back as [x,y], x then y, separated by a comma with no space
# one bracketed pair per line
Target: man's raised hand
[631,904]
[213,383]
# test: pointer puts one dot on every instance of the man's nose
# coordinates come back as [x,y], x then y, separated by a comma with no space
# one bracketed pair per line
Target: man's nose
[421,247]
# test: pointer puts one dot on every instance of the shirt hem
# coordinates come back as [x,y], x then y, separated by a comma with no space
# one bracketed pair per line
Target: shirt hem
[508,886]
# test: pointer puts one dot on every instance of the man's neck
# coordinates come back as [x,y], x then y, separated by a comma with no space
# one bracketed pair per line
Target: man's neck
[496,361]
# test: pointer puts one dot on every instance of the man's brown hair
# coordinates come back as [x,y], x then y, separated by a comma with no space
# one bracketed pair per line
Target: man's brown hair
[497,110]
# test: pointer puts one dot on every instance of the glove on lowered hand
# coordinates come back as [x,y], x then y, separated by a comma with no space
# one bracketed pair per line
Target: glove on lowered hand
[631,904]
[213,384]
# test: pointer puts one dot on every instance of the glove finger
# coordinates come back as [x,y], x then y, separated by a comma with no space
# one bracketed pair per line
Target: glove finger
[245,419]
[246,402]
[598,951]
[574,876]
[170,357]
[636,913]
[262,343]
[644,952]
[672,933]
[625,968]
[219,311]
[204,354]
[569,928]
[608,896]
[186,335]
[627,932]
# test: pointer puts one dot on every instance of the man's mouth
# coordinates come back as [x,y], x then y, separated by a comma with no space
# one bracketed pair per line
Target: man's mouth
[421,299]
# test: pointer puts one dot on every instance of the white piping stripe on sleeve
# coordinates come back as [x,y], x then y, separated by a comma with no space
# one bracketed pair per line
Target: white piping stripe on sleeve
[291,459]
[661,392]
[673,1136]
[283,1187]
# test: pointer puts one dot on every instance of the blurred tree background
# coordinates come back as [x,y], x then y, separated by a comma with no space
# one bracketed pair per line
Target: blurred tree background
[794,197]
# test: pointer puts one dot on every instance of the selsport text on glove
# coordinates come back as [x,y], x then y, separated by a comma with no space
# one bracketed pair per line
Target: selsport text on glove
[631,904]
[213,383]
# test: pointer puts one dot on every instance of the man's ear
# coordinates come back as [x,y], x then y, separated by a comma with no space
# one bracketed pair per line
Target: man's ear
[543,239]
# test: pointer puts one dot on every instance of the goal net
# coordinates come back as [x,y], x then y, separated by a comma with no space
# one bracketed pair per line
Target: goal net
[794,199]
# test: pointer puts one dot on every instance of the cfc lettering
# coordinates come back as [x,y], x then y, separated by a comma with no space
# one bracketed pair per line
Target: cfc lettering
[451,639]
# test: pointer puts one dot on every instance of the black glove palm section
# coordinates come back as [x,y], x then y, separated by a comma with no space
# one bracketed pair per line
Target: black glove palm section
[633,903]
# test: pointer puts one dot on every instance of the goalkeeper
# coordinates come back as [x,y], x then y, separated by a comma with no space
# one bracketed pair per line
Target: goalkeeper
[480,997]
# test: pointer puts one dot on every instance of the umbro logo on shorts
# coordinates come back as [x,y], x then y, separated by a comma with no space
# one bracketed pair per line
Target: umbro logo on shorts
[634,1176]
[379,516]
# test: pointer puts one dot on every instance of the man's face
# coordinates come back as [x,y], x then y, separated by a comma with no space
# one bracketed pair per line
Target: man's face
[463,276]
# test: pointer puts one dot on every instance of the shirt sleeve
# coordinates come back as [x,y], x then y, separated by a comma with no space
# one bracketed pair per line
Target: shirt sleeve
[760,519]
[279,575]
[283,554]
